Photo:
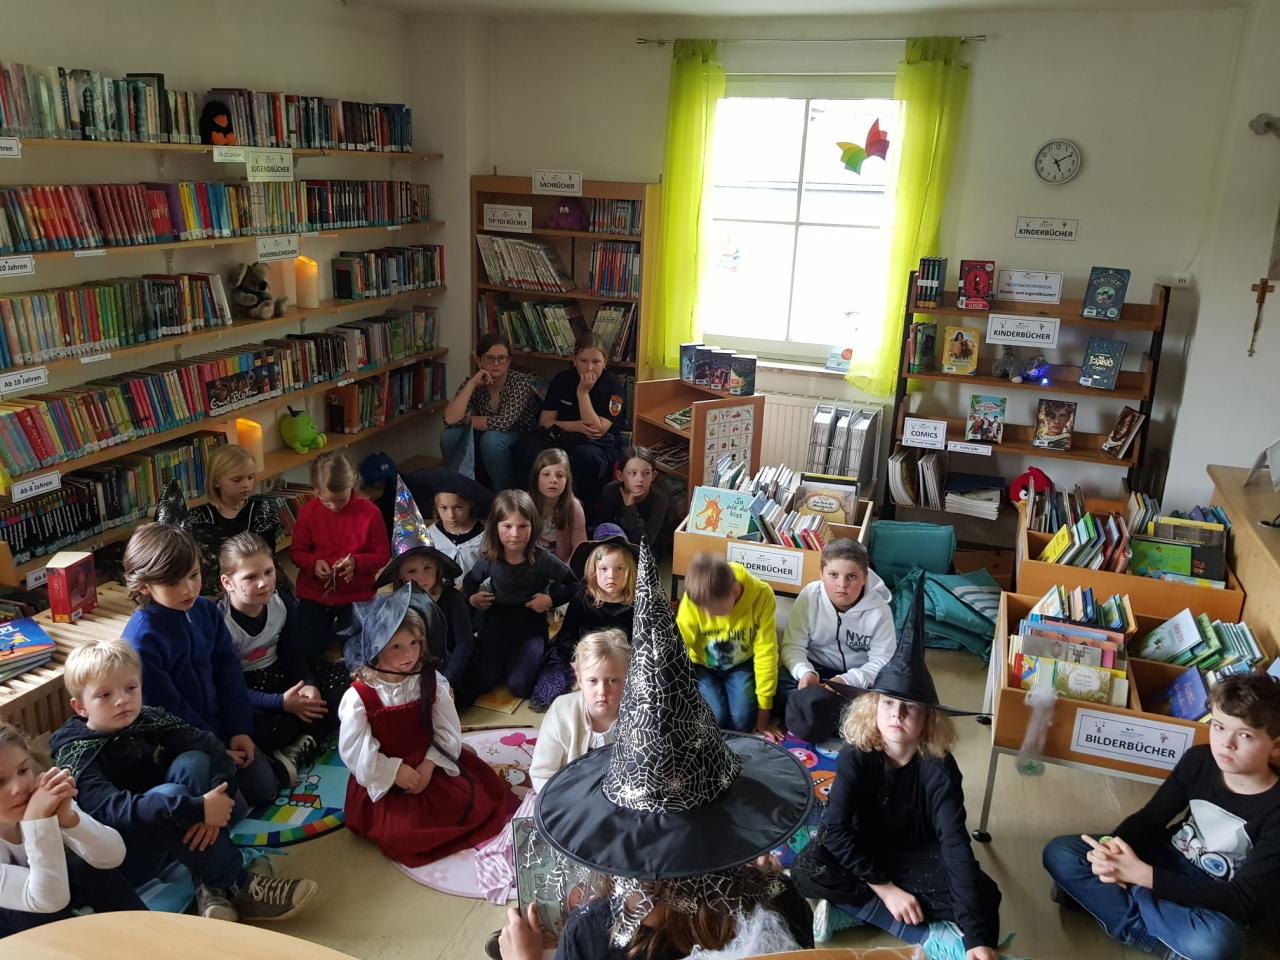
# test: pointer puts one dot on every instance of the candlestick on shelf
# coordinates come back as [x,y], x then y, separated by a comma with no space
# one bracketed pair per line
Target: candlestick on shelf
[283,279]
[249,439]
[307,273]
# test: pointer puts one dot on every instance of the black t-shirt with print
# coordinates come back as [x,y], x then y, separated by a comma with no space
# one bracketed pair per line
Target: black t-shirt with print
[607,399]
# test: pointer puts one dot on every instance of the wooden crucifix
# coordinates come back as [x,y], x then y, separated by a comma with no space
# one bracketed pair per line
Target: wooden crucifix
[1261,288]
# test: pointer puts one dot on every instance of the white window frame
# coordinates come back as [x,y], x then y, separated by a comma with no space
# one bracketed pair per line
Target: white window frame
[807,87]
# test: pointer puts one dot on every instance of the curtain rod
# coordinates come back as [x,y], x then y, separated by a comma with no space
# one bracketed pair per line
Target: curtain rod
[643,41]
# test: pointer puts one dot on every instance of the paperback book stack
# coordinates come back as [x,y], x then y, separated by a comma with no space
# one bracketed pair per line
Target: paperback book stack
[361,274]
[24,646]
[974,495]
[718,368]
[1080,606]
[614,216]
[1188,640]
[615,269]
[671,453]
[102,315]
[523,264]
[922,346]
[1094,541]
[615,324]
[931,279]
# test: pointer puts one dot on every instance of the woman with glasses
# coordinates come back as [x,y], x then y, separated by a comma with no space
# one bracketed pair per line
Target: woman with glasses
[500,405]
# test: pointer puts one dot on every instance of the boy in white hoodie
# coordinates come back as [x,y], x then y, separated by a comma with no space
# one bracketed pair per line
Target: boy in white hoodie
[839,634]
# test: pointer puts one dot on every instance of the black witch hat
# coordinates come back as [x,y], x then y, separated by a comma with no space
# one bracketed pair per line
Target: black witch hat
[674,796]
[905,676]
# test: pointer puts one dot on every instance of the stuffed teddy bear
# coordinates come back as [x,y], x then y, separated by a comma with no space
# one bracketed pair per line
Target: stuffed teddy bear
[251,293]
[570,215]
[299,431]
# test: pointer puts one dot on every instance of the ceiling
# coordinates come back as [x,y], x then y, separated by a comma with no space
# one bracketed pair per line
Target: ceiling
[751,8]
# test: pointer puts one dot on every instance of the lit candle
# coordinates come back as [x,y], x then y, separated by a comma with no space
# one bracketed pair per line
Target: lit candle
[308,278]
[249,439]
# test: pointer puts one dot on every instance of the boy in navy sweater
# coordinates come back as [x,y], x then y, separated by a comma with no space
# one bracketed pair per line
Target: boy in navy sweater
[163,784]
[1196,889]
[189,666]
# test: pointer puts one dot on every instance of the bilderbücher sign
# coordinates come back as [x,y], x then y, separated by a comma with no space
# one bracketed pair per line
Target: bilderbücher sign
[1149,743]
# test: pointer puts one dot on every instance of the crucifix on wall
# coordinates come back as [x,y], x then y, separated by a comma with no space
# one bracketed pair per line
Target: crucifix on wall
[1261,288]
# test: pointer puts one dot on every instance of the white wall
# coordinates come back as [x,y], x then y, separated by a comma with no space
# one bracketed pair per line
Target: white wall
[1141,92]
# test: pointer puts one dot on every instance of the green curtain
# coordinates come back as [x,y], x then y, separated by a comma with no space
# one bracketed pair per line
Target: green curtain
[697,82]
[931,84]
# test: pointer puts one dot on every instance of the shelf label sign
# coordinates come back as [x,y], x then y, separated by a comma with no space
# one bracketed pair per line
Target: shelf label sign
[95,358]
[277,248]
[96,252]
[930,434]
[959,446]
[10,148]
[268,166]
[23,266]
[567,183]
[1020,331]
[1045,228]
[23,379]
[508,219]
[779,566]
[1149,743]
[37,578]
[1029,286]
[45,483]
[229,155]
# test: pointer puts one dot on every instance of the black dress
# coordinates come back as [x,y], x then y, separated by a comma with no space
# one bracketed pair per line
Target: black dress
[211,530]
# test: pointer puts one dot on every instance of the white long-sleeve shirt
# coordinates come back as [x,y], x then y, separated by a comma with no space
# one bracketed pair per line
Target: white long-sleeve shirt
[360,749]
[565,735]
[33,874]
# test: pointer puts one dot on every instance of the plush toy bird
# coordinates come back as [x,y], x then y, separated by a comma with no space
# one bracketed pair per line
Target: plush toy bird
[876,145]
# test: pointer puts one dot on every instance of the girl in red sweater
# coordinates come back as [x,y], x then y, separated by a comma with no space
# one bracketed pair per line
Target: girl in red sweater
[339,545]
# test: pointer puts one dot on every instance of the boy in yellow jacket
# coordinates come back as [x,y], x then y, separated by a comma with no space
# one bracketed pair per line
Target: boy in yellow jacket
[726,618]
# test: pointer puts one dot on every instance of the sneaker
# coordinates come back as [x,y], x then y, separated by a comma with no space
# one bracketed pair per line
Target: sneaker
[287,770]
[273,898]
[491,948]
[299,755]
[214,904]
[944,942]
[829,919]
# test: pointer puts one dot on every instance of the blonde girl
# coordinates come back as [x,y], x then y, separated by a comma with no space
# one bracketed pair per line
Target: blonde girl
[564,525]
[230,477]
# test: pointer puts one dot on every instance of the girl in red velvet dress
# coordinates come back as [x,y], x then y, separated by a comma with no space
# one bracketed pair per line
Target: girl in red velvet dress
[413,789]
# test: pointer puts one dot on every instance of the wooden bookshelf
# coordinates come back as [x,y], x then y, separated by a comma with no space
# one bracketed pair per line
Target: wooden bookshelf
[1148,317]
[196,149]
[1085,447]
[585,295]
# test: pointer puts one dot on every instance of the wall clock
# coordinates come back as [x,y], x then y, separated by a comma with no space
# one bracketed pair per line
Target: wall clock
[1058,161]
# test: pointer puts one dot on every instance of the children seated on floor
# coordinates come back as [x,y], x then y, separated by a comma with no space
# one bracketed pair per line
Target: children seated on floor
[292,715]
[54,857]
[563,525]
[726,618]
[415,559]
[1206,885]
[893,850]
[189,666]
[839,634]
[634,502]
[165,785]
[413,790]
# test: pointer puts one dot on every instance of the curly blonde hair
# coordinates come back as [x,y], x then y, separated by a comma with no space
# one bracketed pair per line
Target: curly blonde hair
[859,728]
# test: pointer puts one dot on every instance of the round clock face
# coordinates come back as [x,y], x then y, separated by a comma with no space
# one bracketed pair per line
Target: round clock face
[1057,161]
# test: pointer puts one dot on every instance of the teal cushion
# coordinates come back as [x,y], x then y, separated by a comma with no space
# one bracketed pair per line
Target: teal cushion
[897,546]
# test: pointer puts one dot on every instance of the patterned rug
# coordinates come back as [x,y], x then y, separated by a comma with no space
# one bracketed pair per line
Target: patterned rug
[820,761]
[311,809]
[508,752]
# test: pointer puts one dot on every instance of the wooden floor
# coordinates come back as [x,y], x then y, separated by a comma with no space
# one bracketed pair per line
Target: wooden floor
[368,909]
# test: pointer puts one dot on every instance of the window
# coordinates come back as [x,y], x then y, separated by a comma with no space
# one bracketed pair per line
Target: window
[796,245]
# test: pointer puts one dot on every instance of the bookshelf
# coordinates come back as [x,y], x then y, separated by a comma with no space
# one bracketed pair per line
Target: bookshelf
[1134,387]
[196,149]
[574,248]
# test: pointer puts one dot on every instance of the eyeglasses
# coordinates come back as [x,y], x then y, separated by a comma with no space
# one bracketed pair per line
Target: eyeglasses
[495,358]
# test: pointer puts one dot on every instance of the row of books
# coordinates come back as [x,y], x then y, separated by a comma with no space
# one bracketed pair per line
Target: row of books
[523,264]
[616,324]
[289,497]
[752,515]
[41,325]
[395,335]
[1079,605]
[87,216]
[99,498]
[922,347]
[1188,640]
[976,288]
[544,326]
[671,452]
[614,216]
[931,280]
[615,269]
[386,271]
[64,103]
[378,400]
[740,497]
[718,368]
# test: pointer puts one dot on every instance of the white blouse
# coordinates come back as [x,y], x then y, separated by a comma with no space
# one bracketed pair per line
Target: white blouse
[464,554]
[33,873]
[360,750]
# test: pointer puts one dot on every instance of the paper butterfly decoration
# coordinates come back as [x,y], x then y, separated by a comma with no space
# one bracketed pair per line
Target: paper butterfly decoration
[877,145]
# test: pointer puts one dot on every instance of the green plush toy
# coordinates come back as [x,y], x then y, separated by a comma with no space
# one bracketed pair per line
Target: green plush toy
[300,432]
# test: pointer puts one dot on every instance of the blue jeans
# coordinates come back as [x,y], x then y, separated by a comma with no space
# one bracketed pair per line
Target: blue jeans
[498,452]
[151,848]
[1135,917]
[731,694]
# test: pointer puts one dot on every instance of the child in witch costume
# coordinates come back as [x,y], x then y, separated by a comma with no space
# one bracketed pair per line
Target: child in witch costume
[457,503]
[413,789]
[894,851]
[675,812]
[415,560]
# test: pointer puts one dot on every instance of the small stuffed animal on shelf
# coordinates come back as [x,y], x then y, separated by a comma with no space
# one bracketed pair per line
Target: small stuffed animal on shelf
[299,431]
[251,293]
[569,215]
[1012,367]
[1034,478]
[215,125]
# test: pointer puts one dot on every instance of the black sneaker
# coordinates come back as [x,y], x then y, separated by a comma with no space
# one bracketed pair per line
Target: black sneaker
[299,755]
[214,904]
[491,948]
[273,898]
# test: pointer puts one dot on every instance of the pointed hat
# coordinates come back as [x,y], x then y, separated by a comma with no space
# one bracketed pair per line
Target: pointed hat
[674,796]
[409,537]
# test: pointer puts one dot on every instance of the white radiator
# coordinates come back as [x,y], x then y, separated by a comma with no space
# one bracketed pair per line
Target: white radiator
[788,422]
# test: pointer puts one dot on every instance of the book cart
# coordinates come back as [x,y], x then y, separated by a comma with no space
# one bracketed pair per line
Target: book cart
[1132,741]
[1133,387]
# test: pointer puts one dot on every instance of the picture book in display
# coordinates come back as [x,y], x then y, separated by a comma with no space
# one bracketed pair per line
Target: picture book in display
[742,375]
[960,351]
[1173,637]
[1055,419]
[977,283]
[835,498]
[1102,361]
[1104,297]
[719,512]
[73,586]
[1187,698]
[922,346]
[986,419]
[688,356]
[23,646]
[1123,433]
[702,365]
